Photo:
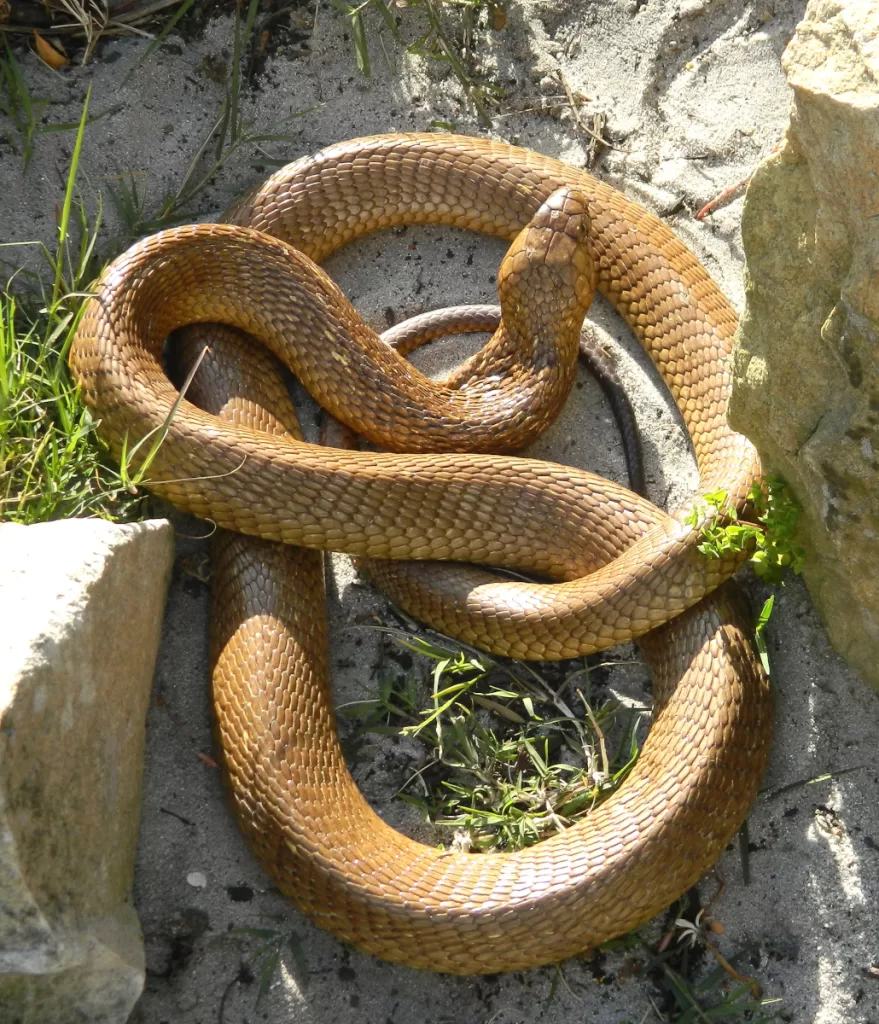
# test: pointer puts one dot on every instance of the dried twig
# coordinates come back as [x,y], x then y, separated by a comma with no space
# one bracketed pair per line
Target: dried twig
[579,120]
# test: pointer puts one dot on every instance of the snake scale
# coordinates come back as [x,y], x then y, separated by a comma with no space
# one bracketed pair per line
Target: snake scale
[614,566]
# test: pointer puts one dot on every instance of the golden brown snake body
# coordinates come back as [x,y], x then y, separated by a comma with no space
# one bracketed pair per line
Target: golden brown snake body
[623,566]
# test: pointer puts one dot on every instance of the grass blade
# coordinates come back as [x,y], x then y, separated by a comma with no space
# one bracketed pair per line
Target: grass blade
[68,200]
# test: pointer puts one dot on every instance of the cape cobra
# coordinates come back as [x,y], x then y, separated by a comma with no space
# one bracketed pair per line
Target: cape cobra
[621,566]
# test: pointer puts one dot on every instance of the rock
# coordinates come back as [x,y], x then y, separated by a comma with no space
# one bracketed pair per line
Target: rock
[82,608]
[806,364]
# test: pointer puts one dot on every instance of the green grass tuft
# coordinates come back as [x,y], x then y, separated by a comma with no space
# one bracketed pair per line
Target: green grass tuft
[449,27]
[510,760]
[52,464]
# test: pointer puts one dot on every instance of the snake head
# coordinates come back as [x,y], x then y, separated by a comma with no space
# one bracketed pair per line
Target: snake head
[548,276]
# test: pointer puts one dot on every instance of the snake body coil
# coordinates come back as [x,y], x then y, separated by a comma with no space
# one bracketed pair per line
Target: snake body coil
[621,566]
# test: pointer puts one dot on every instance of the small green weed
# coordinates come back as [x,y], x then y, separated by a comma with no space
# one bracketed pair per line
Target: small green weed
[510,760]
[712,999]
[688,995]
[773,535]
[760,632]
[17,104]
[25,113]
[52,464]
[161,35]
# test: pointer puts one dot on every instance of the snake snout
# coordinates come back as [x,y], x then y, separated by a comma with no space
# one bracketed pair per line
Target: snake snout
[565,211]
[563,216]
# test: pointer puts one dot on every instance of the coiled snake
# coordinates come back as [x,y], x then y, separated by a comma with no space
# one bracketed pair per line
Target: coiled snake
[618,567]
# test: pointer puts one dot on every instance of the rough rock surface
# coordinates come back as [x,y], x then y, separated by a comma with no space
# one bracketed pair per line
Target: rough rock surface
[82,610]
[807,364]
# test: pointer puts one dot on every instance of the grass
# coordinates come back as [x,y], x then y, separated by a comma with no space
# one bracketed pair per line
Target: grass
[90,17]
[52,465]
[17,105]
[227,136]
[512,758]
[274,943]
[92,20]
[446,31]
[687,993]
[713,998]
[25,113]
[514,755]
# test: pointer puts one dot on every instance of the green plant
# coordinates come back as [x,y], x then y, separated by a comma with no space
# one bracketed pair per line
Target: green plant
[773,535]
[25,113]
[18,106]
[161,35]
[226,137]
[760,632]
[448,39]
[504,744]
[712,999]
[688,994]
[52,464]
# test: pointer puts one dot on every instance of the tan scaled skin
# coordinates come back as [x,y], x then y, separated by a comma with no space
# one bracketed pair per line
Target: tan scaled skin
[306,821]
[535,517]
[701,765]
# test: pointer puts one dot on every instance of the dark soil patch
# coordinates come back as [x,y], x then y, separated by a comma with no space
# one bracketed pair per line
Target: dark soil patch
[280,26]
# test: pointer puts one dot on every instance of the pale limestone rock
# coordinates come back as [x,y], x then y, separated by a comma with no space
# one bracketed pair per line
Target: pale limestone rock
[81,605]
[807,358]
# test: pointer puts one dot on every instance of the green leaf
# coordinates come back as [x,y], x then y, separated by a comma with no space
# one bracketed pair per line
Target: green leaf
[267,975]
[256,933]
[294,944]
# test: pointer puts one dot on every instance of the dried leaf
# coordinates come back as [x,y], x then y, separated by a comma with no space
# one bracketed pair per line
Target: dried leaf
[49,54]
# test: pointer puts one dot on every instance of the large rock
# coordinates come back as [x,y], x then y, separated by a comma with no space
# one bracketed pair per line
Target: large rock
[82,609]
[807,360]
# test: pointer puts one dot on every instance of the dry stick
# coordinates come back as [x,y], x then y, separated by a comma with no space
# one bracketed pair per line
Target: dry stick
[579,120]
[731,971]
[727,192]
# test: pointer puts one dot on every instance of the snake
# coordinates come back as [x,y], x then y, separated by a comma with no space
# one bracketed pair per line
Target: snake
[433,516]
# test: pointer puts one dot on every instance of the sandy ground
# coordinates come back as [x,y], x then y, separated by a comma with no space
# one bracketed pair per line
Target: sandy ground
[694,97]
